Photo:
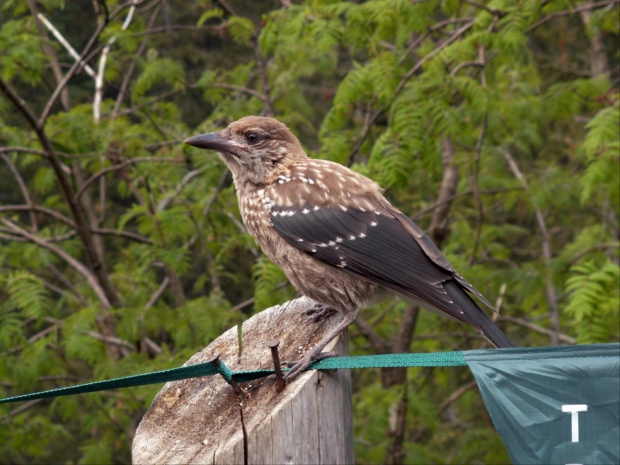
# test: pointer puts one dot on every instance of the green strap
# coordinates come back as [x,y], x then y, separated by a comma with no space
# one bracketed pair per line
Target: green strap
[433,359]
[436,359]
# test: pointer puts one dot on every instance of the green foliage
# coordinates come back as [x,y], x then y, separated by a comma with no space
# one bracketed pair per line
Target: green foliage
[155,71]
[268,279]
[602,149]
[241,29]
[594,301]
[28,294]
[382,86]
[22,54]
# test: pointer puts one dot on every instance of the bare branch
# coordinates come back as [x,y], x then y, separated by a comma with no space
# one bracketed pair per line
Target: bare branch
[132,66]
[182,27]
[177,190]
[79,267]
[22,408]
[444,405]
[262,73]
[557,14]
[60,217]
[539,329]
[44,154]
[111,340]
[220,186]
[66,45]
[23,188]
[160,290]
[83,57]
[68,284]
[80,222]
[120,166]
[439,224]
[159,98]
[604,246]
[72,72]
[366,330]
[50,52]
[466,193]
[38,208]
[126,234]
[493,11]
[476,179]
[64,237]
[499,302]
[552,299]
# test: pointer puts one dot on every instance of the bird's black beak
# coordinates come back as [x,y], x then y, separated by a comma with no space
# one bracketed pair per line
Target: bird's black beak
[212,141]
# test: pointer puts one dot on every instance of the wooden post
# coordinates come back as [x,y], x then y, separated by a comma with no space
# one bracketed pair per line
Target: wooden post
[199,420]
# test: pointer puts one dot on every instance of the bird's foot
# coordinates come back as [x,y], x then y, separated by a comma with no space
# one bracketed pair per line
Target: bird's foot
[319,311]
[298,367]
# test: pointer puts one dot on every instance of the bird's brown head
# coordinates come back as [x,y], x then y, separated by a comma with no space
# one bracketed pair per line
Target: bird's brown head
[253,147]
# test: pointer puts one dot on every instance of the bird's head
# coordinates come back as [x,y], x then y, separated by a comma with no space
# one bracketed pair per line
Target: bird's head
[253,147]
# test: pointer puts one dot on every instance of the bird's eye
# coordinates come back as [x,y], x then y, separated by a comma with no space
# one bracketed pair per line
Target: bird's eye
[252,138]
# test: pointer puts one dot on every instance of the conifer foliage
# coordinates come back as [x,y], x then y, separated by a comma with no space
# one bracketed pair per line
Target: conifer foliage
[494,124]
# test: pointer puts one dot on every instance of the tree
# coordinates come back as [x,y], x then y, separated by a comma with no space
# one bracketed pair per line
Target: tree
[495,124]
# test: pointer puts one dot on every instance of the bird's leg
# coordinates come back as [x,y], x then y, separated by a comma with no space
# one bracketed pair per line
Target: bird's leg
[320,311]
[300,366]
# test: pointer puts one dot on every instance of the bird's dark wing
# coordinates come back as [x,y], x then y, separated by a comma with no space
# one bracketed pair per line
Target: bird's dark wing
[435,254]
[374,246]
[386,249]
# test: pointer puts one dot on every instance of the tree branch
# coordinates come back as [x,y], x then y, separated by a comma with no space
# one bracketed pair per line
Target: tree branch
[66,45]
[439,223]
[552,299]
[557,14]
[23,188]
[132,66]
[79,267]
[81,59]
[120,166]
[80,222]
[539,329]
[457,34]
[50,52]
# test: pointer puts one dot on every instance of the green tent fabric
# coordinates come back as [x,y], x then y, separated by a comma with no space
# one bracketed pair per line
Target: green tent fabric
[553,405]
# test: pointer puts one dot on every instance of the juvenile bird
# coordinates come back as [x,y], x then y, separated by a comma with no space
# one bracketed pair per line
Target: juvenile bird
[336,237]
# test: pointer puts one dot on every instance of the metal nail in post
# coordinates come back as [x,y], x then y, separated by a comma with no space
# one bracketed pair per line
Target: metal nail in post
[215,360]
[273,346]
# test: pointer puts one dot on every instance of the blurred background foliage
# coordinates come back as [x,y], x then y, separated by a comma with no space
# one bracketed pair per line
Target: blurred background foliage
[494,124]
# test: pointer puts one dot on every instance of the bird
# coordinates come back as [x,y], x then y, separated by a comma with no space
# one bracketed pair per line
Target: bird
[332,231]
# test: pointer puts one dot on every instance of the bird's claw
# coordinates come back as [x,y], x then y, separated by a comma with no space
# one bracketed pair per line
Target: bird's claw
[319,311]
[302,365]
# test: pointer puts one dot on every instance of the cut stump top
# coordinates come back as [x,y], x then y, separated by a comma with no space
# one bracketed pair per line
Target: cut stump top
[198,420]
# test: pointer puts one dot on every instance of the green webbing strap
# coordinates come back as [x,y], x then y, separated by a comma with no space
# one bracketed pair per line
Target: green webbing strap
[436,359]
[433,359]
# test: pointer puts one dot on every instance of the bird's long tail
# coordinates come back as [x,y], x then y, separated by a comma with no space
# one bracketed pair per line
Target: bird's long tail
[477,317]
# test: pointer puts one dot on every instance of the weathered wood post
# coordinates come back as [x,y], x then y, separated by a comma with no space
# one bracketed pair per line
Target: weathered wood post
[202,420]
